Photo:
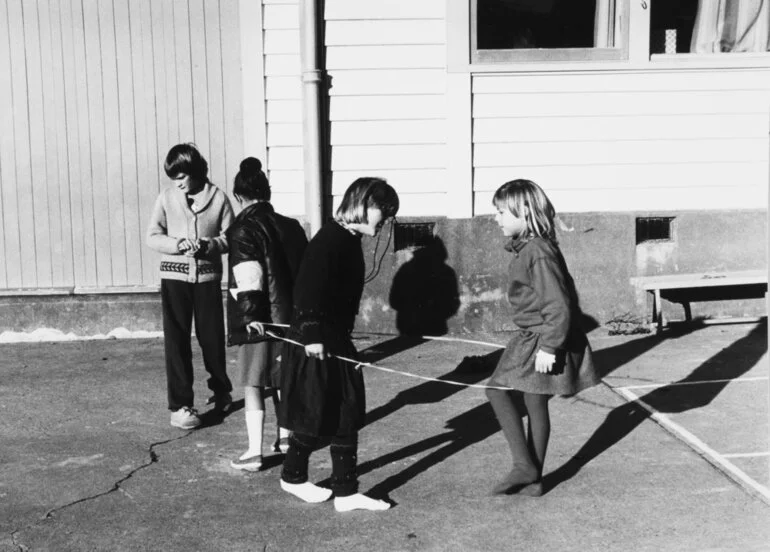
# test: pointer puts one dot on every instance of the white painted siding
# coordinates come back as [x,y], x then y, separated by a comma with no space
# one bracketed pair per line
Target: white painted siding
[283,105]
[93,94]
[653,141]
[387,105]
[386,63]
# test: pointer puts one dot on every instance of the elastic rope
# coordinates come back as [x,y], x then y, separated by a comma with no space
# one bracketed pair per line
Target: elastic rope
[357,364]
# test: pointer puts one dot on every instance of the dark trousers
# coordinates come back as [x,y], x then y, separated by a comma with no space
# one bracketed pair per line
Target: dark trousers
[183,302]
[344,453]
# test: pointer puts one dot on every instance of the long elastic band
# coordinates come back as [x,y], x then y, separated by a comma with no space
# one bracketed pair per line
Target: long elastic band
[358,364]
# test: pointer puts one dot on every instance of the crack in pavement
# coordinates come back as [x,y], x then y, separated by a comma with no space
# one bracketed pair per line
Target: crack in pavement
[118,483]
[17,544]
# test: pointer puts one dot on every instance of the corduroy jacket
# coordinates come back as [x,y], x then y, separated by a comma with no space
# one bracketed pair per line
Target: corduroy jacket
[172,219]
[542,292]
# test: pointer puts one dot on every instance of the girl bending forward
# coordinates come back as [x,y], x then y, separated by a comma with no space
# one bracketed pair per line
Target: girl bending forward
[549,353]
[322,395]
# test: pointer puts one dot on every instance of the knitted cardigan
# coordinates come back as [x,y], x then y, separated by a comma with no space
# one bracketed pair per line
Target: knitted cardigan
[173,219]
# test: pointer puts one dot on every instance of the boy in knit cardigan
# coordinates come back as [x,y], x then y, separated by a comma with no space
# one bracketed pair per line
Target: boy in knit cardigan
[187,226]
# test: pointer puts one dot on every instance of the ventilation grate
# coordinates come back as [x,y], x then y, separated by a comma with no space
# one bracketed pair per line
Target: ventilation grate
[412,234]
[649,229]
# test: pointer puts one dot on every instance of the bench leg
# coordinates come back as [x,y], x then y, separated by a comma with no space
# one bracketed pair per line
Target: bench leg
[687,311]
[657,311]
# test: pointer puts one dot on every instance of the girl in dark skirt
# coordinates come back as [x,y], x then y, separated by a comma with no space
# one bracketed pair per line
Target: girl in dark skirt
[322,395]
[549,353]
[265,252]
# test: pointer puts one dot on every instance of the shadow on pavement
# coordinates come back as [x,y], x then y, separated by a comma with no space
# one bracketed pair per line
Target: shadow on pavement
[471,370]
[729,363]
[466,429]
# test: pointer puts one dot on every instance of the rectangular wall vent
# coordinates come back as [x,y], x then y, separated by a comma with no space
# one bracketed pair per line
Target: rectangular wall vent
[412,234]
[653,229]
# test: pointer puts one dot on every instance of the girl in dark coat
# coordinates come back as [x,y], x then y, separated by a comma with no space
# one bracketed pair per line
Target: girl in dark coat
[322,395]
[549,354]
[265,252]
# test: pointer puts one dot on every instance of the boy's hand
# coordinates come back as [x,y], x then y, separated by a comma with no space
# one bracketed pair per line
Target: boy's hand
[544,362]
[184,245]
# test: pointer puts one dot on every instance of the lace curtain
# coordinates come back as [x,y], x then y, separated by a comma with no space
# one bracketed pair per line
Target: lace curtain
[731,26]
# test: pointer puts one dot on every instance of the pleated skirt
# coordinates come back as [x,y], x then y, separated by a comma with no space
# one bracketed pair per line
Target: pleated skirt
[573,372]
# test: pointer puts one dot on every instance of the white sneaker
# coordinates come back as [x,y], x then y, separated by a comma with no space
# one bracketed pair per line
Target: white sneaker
[185,418]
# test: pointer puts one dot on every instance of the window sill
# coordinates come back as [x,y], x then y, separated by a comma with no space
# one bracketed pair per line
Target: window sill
[658,62]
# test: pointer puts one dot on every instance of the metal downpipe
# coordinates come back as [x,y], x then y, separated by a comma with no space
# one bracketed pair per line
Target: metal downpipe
[312,113]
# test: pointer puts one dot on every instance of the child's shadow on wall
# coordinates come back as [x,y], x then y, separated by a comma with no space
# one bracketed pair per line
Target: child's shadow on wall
[424,292]
[728,364]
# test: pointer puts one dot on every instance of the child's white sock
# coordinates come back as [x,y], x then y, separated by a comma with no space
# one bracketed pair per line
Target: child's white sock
[307,491]
[255,421]
[359,502]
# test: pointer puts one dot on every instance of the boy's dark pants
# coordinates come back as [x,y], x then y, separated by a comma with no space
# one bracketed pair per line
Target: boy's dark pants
[182,302]
[344,453]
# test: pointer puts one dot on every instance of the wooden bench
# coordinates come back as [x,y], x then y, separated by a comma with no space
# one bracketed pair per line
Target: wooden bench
[704,286]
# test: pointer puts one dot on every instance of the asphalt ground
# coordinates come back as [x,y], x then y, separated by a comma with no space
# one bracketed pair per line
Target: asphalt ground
[669,453]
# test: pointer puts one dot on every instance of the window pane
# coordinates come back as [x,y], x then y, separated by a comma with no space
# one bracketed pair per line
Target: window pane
[708,27]
[537,24]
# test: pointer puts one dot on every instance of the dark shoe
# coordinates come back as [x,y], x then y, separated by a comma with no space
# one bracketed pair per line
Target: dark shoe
[221,402]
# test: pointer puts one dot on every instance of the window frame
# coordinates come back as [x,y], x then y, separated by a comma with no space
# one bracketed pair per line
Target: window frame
[550,55]
[636,45]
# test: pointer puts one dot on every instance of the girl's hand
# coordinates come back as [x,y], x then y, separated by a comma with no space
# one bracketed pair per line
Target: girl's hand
[315,350]
[255,327]
[544,362]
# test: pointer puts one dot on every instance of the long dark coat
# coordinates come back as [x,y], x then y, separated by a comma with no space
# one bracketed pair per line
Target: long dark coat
[325,398]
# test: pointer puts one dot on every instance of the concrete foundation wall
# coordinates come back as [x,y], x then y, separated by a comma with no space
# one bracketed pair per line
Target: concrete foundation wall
[457,283]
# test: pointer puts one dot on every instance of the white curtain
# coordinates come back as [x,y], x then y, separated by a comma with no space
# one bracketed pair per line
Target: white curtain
[604,24]
[731,26]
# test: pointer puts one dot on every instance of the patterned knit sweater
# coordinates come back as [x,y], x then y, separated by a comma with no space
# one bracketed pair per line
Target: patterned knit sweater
[173,219]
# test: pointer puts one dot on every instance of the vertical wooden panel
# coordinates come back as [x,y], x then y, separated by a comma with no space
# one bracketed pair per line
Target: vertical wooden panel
[170,68]
[63,275]
[51,253]
[186,106]
[10,275]
[128,197]
[214,109]
[199,79]
[146,98]
[253,63]
[232,94]
[81,173]
[99,207]
[21,130]
[38,145]
[111,191]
